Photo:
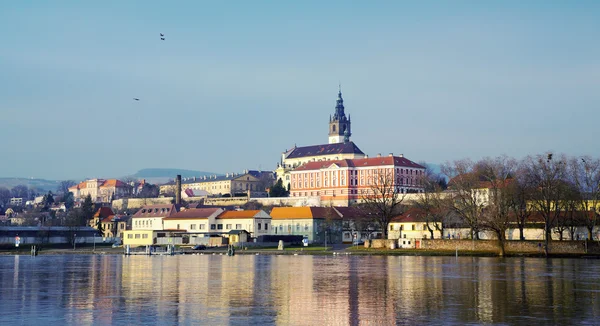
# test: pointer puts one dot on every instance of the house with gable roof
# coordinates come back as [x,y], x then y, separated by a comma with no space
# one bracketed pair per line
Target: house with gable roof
[101,190]
[314,223]
[150,217]
[255,222]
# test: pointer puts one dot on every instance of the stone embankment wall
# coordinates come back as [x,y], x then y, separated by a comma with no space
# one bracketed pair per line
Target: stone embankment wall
[557,247]
[381,243]
[135,203]
[491,246]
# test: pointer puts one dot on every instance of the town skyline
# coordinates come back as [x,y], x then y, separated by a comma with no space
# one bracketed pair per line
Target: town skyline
[231,89]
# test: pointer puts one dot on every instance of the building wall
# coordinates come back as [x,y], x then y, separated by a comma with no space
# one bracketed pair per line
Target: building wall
[412,230]
[305,227]
[248,224]
[147,223]
[191,225]
[350,184]
[139,237]
[114,230]
[238,184]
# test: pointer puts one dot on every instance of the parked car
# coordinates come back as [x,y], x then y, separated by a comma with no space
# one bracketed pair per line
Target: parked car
[199,247]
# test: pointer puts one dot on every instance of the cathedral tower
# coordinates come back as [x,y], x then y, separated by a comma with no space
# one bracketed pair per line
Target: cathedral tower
[339,125]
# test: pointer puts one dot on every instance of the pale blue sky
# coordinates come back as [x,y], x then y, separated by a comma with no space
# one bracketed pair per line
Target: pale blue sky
[236,83]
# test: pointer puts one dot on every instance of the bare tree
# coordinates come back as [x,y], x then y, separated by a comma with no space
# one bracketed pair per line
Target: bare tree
[383,199]
[431,201]
[20,191]
[468,198]
[63,186]
[4,196]
[519,193]
[585,175]
[497,173]
[546,175]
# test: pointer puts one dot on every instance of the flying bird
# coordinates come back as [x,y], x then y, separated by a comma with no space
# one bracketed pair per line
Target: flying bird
[137,99]
[161,34]
[162,38]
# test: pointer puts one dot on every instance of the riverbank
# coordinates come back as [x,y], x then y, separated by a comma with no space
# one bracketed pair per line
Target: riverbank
[357,251]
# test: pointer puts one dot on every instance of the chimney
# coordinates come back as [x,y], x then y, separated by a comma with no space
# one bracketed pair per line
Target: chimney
[391,154]
[401,155]
[178,190]
[378,154]
[366,156]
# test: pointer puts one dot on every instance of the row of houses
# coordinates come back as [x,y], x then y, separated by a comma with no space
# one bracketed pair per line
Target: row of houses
[196,225]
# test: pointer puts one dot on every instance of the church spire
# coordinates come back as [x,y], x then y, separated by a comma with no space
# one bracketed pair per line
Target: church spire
[339,125]
[339,106]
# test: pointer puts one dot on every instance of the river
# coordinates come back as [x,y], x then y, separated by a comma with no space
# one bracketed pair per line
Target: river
[296,290]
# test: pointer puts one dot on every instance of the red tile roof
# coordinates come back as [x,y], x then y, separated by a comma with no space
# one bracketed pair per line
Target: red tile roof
[114,183]
[104,212]
[78,186]
[238,214]
[193,213]
[361,162]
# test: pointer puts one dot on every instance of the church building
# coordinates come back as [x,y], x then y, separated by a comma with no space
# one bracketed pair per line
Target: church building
[339,146]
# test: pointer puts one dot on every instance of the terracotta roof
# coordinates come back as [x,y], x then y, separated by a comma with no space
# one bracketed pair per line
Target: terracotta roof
[238,214]
[412,215]
[157,211]
[104,212]
[114,183]
[78,186]
[325,149]
[192,213]
[118,218]
[361,162]
[282,213]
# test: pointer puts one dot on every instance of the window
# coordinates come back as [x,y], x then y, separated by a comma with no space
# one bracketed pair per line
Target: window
[413,227]
[228,226]
[404,235]
[238,226]
[192,226]
[130,236]
[259,226]
[201,226]
[212,226]
[219,226]
[266,226]
[137,236]
[145,236]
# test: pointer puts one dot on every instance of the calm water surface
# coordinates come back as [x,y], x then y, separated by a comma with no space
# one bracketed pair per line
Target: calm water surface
[296,290]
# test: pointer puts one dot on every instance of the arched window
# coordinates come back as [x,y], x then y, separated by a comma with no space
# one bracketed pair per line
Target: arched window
[333,128]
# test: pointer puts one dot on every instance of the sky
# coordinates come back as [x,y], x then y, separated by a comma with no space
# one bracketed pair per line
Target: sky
[236,83]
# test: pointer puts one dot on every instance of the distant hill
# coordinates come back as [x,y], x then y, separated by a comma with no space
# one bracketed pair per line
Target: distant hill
[41,184]
[158,175]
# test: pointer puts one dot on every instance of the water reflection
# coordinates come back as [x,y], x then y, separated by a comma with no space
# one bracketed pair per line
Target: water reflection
[296,290]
